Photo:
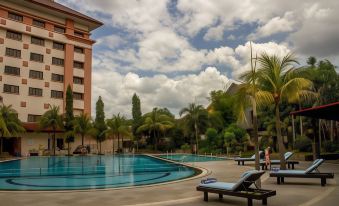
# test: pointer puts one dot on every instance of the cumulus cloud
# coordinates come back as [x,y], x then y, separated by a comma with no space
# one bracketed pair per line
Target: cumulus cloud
[160,38]
[156,91]
[275,25]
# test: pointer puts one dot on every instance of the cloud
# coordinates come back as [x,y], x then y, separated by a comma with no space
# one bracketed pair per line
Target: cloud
[156,91]
[275,25]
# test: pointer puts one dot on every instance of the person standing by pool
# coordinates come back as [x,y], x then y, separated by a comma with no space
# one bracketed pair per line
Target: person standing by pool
[267,157]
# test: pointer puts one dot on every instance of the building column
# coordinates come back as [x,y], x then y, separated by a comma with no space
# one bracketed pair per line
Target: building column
[68,69]
[87,81]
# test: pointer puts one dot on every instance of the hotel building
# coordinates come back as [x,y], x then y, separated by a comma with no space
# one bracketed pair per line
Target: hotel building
[44,47]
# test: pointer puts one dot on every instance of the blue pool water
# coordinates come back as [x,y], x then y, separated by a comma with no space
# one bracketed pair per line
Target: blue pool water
[190,158]
[88,172]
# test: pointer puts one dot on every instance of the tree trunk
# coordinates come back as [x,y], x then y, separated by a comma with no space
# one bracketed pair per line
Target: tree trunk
[122,143]
[280,138]
[82,139]
[256,140]
[301,121]
[2,142]
[100,147]
[68,149]
[196,137]
[53,142]
[113,144]
[118,143]
[155,141]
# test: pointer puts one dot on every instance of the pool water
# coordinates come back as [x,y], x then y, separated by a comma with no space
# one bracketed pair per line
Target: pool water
[88,172]
[190,158]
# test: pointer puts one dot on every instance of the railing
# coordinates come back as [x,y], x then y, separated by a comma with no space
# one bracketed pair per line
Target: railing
[92,170]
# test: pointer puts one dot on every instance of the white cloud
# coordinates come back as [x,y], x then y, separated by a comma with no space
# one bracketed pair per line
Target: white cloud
[214,33]
[276,25]
[157,91]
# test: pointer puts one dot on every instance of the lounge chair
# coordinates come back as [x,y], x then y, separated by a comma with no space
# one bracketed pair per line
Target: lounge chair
[311,172]
[287,155]
[239,189]
[246,159]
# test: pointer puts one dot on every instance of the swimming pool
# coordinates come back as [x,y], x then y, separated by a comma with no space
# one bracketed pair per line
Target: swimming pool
[190,158]
[88,172]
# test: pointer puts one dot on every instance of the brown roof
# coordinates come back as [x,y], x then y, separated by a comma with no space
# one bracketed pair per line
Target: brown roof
[34,127]
[61,8]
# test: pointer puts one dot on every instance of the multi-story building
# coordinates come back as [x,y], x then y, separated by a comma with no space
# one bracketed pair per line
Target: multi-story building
[44,47]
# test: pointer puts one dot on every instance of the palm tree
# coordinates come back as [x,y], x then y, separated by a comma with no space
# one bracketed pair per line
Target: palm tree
[279,80]
[52,119]
[246,96]
[193,114]
[83,126]
[118,127]
[156,121]
[10,125]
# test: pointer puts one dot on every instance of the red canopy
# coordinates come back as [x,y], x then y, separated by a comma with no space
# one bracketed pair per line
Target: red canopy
[328,111]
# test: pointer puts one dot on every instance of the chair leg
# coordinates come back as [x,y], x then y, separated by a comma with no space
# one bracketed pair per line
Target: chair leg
[264,201]
[206,196]
[243,162]
[249,202]
[288,165]
[278,180]
[292,166]
[220,196]
[238,162]
[323,182]
[282,179]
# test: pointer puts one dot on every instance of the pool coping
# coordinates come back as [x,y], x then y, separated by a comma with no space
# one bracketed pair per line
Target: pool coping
[204,172]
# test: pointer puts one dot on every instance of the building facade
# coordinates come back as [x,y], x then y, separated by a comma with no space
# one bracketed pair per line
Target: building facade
[44,47]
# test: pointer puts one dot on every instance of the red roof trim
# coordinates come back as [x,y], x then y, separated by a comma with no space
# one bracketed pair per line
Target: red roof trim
[315,108]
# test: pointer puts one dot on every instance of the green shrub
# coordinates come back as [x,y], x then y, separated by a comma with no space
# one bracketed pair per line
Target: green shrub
[185,147]
[303,144]
[331,146]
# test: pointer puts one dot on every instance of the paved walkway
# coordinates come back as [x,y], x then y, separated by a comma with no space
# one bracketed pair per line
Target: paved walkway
[301,192]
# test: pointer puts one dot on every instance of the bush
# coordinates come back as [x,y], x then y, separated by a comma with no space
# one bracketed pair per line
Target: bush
[331,146]
[185,147]
[303,144]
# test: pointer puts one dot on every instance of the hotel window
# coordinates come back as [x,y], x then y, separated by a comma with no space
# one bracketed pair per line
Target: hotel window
[15,17]
[35,92]
[36,74]
[79,65]
[12,70]
[57,94]
[11,89]
[33,118]
[58,46]
[37,57]
[79,50]
[38,23]
[57,61]
[13,53]
[78,96]
[37,41]
[59,29]
[78,80]
[57,77]
[14,35]
[80,34]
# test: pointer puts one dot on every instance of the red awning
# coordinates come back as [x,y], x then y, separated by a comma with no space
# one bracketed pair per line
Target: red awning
[328,111]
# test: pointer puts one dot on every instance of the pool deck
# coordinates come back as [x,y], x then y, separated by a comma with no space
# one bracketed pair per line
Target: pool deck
[303,192]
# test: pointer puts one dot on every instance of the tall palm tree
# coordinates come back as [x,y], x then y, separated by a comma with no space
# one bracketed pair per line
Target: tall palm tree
[83,126]
[280,80]
[10,125]
[118,127]
[53,120]
[247,96]
[193,114]
[156,122]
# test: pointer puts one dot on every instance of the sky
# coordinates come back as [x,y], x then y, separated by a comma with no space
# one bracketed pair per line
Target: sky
[174,52]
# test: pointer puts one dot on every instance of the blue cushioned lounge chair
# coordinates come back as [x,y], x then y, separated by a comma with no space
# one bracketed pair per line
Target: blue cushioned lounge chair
[242,188]
[287,155]
[311,172]
[247,159]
